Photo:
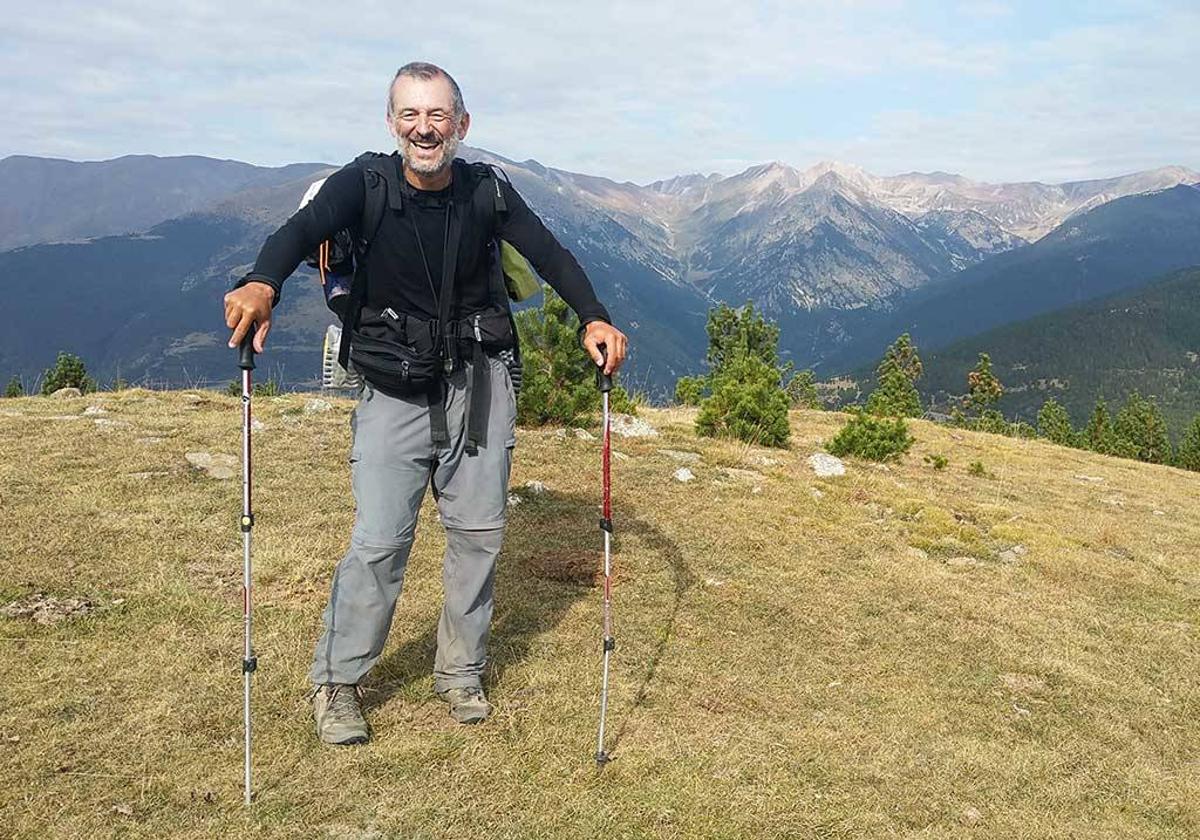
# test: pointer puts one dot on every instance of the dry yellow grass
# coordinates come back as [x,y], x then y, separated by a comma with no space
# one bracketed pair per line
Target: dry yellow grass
[796,657]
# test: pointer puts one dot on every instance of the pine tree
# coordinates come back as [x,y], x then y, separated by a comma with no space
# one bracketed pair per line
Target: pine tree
[1188,454]
[744,399]
[68,372]
[1054,424]
[689,390]
[896,393]
[1100,436]
[558,377]
[15,388]
[984,389]
[746,403]
[802,391]
[1141,428]
[732,332]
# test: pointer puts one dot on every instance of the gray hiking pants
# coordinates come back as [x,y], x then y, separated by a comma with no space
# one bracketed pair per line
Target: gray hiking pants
[392,460]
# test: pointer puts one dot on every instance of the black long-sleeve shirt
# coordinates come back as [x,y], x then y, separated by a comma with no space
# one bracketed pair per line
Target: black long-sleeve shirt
[397,276]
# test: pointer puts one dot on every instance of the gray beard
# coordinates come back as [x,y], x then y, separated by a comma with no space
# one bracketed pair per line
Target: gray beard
[449,149]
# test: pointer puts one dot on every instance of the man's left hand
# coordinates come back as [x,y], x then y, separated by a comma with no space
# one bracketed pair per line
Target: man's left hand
[598,333]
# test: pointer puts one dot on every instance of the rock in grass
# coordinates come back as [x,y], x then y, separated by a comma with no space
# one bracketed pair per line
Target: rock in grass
[584,434]
[66,393]
[215,466]
[626,425]
[825,465]
[684,474]
[317,406]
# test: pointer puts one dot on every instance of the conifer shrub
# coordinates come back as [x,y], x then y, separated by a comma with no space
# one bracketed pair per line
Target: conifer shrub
[1054,424]
[1141,429]
[801,391]
[689,390]
[558,384]
[1188,453]
[15,388]
[68,371]
[744,397]
[746,403]
[872,437]
[265,388]
[1100,435]
[896,393]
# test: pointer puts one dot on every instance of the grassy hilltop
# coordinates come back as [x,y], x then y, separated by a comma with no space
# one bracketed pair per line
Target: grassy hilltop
[900,651]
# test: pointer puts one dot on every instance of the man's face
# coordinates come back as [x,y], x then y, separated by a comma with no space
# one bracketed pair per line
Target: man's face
[424,124]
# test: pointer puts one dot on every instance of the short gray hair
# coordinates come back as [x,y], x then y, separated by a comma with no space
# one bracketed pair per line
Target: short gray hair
[426,71]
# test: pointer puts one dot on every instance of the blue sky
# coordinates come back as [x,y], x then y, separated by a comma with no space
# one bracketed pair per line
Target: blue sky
[635,91]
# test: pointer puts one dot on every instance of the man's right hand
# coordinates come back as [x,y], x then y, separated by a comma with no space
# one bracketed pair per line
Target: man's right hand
[247,306]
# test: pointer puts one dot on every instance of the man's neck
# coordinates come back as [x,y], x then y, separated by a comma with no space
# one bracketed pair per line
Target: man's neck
[429,183]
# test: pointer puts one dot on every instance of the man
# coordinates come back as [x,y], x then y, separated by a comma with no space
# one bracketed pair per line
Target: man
[401,441]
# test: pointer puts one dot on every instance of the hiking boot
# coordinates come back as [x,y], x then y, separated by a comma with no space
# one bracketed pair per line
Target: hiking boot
[467,705]
[338,710]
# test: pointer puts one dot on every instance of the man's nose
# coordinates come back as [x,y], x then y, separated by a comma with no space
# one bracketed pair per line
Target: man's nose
[424,124]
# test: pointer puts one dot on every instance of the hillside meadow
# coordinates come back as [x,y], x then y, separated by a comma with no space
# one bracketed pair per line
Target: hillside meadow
[901,651]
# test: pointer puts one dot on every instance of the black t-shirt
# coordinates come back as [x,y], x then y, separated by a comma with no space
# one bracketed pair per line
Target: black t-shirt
[396,273]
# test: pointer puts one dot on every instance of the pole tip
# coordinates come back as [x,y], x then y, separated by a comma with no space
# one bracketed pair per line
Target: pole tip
[602,758]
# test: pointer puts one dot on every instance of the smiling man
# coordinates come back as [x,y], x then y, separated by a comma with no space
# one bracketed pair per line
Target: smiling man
[438,406]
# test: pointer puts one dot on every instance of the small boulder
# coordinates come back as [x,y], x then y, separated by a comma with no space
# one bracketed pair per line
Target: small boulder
[257,425]
[825,465]
[683,474]
[535,487]
[94,410]
[66,393]
[316,406]
[620,456]
[626,425]
[584,434]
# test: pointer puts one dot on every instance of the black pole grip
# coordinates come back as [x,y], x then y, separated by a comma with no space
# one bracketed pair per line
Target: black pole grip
[603,380]
[246,350]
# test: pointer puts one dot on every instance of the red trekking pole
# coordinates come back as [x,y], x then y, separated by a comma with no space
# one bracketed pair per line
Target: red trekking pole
[604,383]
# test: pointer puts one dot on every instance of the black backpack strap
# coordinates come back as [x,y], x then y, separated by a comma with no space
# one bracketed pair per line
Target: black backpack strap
[377,196]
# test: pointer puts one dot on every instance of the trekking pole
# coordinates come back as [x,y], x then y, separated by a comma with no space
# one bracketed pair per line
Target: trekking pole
[249,661]
[604,383]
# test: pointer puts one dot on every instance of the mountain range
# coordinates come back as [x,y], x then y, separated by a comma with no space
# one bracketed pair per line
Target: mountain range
[134,271]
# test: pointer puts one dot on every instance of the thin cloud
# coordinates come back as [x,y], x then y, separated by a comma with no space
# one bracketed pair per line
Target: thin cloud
[629,90]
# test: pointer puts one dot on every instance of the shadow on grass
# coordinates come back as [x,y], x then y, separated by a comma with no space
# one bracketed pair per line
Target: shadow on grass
[552,557]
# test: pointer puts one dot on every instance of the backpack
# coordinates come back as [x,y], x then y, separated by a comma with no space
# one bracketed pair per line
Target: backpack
[334,258]
[402,355]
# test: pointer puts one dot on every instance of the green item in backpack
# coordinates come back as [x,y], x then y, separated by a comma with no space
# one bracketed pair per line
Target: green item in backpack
[519,279]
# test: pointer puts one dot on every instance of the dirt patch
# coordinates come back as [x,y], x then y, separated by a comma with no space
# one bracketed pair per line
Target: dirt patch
[585,568]
[44,609]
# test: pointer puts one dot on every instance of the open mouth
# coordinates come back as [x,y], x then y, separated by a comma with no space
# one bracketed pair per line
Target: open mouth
[427,145]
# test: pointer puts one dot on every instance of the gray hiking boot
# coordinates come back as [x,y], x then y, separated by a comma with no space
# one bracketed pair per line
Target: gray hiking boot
[338,710]
[467,705]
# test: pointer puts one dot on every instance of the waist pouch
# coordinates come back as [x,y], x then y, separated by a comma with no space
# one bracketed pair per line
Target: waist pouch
[400,355]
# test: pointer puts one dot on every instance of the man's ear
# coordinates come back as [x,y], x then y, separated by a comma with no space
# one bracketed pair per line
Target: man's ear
[463,125]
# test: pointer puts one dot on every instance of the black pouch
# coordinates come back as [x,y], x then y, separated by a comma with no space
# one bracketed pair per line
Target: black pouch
[395,353]
[493,330]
